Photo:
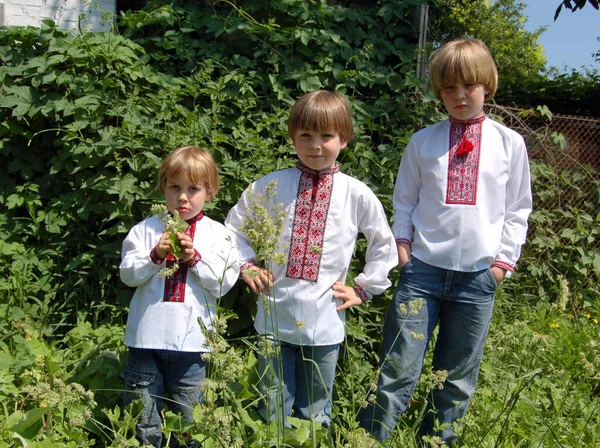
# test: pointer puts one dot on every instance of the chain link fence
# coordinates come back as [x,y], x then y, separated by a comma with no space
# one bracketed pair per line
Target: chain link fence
[565,158]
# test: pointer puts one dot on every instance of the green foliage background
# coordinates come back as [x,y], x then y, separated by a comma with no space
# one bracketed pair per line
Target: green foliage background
[86,119]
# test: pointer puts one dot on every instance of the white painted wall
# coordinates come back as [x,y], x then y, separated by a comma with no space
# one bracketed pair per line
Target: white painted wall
[64,12]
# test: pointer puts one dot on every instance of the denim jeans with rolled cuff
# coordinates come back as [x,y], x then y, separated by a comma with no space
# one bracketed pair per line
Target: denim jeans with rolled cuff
[297,380]
[157,376]
[461,303]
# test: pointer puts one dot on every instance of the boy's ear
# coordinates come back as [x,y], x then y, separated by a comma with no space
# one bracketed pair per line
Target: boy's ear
[343,144]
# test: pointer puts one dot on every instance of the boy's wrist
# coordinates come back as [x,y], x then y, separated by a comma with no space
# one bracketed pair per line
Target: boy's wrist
[155,256]
[194,260]
[361,293]
[247,265]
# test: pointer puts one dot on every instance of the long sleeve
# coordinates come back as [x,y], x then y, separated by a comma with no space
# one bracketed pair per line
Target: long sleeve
[381,254]
[406,193]
[235,221]
[137,267]
[218,268]
[518,207]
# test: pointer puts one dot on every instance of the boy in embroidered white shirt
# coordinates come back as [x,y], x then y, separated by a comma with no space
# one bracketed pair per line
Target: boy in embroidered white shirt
[461,203]
[163,333]
[304,299]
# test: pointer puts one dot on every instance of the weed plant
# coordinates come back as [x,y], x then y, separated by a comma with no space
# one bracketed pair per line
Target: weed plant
[85,120]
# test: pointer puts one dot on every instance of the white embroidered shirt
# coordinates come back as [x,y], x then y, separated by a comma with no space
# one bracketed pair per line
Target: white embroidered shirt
[164,313]
[324,213]
[463,195]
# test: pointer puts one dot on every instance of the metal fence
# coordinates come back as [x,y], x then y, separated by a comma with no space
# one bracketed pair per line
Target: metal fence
[569,146]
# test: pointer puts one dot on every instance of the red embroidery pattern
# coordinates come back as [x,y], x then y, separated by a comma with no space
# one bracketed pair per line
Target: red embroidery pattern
[463,170]
[308,229]
[175,284]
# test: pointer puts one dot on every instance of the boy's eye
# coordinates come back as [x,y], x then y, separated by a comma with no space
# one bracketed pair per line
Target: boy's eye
[174,187]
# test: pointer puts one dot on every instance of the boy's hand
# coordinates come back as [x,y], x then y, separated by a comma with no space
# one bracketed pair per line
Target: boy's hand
[163,249]
[499,274]
[259,279]
[403,254]
[347,294]
[187,245]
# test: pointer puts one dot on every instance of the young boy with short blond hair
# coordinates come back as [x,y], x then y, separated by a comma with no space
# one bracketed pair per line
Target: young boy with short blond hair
[163,333]
[461,203]
[305,297]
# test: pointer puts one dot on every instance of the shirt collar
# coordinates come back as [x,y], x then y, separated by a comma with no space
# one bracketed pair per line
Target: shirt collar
[327,171]
[468,122]
[196,218]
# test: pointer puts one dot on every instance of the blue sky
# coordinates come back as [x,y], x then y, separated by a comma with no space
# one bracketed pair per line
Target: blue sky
[572,39]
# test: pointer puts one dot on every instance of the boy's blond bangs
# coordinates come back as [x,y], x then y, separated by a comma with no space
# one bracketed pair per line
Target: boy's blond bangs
[322,111]
[194,164]
[465,61]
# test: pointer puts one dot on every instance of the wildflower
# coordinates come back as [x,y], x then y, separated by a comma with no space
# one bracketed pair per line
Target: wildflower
[563,294]
[596,321]
[264,223]
[554,325]
[588,315]
[417,336]
[299,324]
[403,309]
[415,306]
[316,249]
[434,379]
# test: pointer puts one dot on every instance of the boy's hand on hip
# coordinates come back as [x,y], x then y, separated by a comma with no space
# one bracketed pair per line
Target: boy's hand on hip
[259,279]
[347,294]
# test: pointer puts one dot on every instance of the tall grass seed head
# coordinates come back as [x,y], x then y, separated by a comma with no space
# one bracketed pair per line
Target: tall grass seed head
[264,223]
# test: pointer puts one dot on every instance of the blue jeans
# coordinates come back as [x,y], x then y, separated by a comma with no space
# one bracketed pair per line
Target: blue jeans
[461,303]
[152,373]
[298,379]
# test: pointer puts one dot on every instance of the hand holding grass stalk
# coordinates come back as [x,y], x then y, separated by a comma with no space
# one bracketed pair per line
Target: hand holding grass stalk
[173,225]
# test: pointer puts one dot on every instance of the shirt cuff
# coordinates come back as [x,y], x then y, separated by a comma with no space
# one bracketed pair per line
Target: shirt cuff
[247,265]
[361,293]
[510,268]
[154,256]
[194,260]
[404,241]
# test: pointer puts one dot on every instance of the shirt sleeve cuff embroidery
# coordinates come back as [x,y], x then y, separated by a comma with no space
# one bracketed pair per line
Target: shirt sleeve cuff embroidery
[503,265]
[404,241]
[194,260]
[361,293]
[247,265]
[154,256]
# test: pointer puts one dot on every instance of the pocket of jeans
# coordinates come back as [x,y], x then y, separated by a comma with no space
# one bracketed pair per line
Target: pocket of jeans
[138,379]
[404,266]
[492,278]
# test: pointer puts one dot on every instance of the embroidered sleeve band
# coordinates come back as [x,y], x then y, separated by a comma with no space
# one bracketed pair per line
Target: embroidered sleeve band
[361,293]
[247,265]
[154,256]
[403,241]
[503,265]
